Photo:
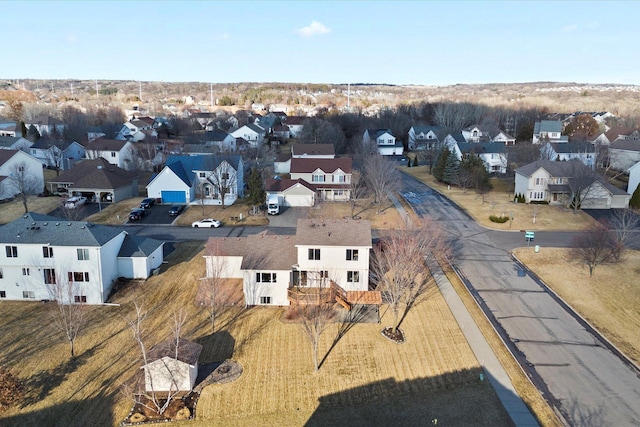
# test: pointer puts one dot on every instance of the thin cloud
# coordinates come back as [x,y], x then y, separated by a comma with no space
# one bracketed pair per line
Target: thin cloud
[569,28]
[313,29]
[221,36]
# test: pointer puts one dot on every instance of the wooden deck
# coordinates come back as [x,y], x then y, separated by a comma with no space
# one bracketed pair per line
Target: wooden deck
[333,294]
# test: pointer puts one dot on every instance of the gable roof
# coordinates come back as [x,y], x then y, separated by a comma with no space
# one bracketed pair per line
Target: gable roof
[376,133]
[481,147]
[294,120]
[8,141]
[617,131]
[136,246]
[274,185]
[309,165]
[216,135]
[34,228]
[46,143]
[312,149]
[204,162]
[188,351]
[337,232]
[103,144]
[573,147]
[547,126]
[556,169]
[626,144]
[260,251]
[6,155]
[96,173]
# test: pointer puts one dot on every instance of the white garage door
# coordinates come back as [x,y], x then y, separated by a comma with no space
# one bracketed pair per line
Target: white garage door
[297,200]
[599,203]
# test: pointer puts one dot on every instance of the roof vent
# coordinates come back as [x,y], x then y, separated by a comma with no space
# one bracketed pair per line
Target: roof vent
[68,224]
[46,223]
[99,166]
[57,224]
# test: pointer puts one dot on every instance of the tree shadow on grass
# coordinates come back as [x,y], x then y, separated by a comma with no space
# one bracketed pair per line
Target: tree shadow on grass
[39,385]
[72,413]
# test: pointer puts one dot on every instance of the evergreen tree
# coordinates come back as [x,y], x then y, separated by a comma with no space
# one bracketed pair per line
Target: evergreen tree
[255,188]
[451,169]
[441,161]
[32,134]
[634,203]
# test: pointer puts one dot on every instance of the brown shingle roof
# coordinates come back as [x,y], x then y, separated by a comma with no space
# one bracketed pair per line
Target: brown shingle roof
[283,184]
[97,173]
[5,155]
[259,251]
[327,165]
[103,144]
[188,351]
[313,149]
[338,232]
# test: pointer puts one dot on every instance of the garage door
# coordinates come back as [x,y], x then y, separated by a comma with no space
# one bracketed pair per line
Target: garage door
[173,197]
[297,200]
[599,203]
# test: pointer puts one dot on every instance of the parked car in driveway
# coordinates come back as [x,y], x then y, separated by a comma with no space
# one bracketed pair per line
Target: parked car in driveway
[147,203]
[209,222]
[136,214]
[74,202]
[175,210]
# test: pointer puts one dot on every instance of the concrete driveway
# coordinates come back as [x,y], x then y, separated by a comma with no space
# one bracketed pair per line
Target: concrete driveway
[288,216]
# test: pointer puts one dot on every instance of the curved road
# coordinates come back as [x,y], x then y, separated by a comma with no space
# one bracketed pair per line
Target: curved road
[585,381]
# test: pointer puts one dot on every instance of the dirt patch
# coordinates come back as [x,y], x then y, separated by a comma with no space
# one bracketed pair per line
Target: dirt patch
[395,336]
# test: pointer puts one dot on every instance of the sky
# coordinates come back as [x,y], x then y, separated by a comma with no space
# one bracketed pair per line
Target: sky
[402,43]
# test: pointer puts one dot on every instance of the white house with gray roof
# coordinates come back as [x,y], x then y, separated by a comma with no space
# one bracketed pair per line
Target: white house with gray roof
[549,181]
[548,131]
[40,251]
[15,143]
[19,172]
[252,133]
[384,141]
[276,270]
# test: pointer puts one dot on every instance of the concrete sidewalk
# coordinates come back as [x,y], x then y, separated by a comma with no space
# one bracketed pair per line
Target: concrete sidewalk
[492,367]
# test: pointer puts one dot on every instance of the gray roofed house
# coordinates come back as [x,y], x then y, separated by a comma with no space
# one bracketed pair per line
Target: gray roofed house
[52,250]
[550,181]
[548,131]
[335,232]
[97,176]
[15,143]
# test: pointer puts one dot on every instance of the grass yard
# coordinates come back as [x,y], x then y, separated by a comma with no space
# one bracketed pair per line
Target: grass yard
[13,210]
[500,202]
[381,216]
[609,300]
[115,213]
[365,379]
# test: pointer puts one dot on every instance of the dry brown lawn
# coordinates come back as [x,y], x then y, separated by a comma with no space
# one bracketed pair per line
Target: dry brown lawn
[500,203]
[13,210]
[381,216]
[434,375]
[609,300]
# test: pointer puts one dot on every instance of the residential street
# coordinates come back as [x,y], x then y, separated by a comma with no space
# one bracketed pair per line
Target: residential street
[586,382]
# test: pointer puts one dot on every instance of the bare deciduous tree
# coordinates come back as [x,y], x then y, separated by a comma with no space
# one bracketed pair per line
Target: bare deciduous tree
[222,179]
[148,396]
[381,176]
[623,223]
[581,179]
[400,267]
[596,245]
[216,267]
[358,190]
[23,181]
[69,312]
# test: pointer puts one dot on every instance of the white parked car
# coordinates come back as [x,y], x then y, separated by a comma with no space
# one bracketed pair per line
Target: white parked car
[74,202]
[209,222]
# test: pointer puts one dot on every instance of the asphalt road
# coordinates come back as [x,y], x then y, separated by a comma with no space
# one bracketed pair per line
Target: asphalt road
[587,383]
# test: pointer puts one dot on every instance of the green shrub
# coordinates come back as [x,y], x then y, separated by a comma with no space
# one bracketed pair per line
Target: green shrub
[634,203]
[499,219]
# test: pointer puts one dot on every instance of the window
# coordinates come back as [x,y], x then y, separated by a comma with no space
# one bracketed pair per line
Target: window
[202,174]
[28,294]
[314,254]
[26,271]
[3,294]
[49,276]
[47,251]
[317,178]
[338,193]
[113,154]
[353,276]
[78,276]
[12,251]
[83,254]
[338,178]
[265,300]
[79,298]
[539,181]
[352,254]
[225,175]
[265,277]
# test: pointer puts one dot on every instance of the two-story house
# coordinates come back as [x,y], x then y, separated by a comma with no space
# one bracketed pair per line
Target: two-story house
[199,179]
[384,141]
[115,151]
[252,133]
[282,163]
[479,133]
[40,252]
[548,131]
[583,151]
[59,155]
[46,124]
[493,155]
[136,130]
[550,182]
[15,143]
[324,258]
[19,172]
[330,177]
[295,125]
